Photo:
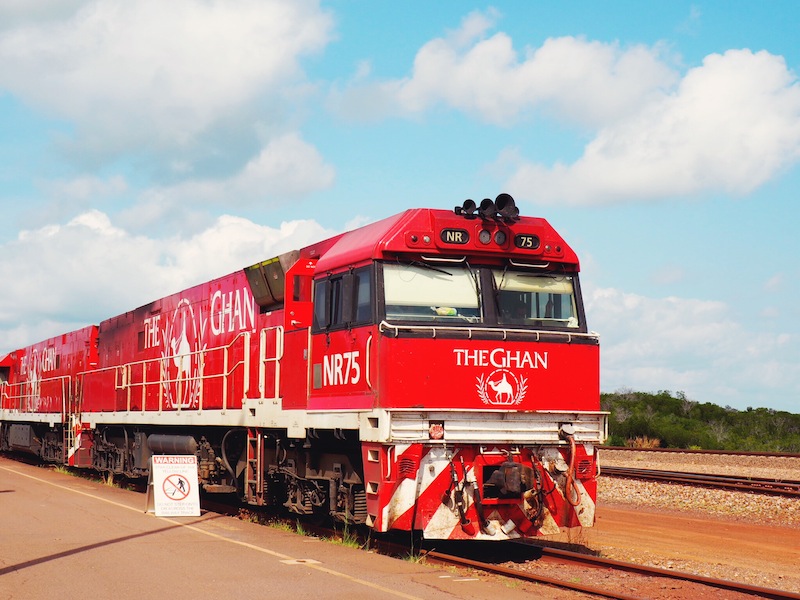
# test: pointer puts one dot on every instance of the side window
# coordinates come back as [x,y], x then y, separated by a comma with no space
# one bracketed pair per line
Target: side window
[343,300]
[321,320]
[363,296]
[336,302]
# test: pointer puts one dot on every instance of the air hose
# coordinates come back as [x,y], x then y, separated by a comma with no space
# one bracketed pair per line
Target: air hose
[571,492]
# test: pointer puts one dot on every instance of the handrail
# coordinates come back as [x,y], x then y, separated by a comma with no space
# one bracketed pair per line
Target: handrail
[15,396]
[263,359]
[26,397]
[367,360]
[386,326]
[124,374]
[245,335]
[445,259]
[539,265]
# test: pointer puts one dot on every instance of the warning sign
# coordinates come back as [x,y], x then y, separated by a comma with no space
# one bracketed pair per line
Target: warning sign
[174,486]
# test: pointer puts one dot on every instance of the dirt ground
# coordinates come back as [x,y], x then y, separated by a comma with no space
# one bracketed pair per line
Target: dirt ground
[759,555]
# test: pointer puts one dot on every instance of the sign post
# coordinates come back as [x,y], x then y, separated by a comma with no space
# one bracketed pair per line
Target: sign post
[174,487]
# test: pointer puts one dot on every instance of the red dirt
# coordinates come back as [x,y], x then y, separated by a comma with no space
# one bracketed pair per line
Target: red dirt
[763,556]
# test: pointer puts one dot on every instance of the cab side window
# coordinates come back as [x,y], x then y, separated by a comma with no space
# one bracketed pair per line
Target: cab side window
[343,300]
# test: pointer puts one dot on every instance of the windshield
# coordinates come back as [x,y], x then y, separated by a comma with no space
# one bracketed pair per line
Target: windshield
[521,299]
[527,299]
[422,292]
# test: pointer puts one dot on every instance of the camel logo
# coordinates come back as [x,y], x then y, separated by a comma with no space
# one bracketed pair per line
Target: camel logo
[501,388]
[181,358]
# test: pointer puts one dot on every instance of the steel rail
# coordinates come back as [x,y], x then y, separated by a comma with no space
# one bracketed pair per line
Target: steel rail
[395,548]
[605,563]
[449,559]
[565,556]
[763,485]
[702,451]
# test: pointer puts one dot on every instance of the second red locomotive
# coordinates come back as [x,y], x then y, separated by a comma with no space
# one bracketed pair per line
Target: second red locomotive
[432,371]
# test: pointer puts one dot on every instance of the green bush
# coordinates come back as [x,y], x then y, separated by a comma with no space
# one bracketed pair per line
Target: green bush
[683,423]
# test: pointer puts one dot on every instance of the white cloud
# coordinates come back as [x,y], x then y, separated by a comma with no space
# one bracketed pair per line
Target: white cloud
[86,187]
[694,20]
[69,275]
[14,13]
[690,345]
[775,283]
[287,168]
[731,125]
[233,243]
[357,221]
[152,74]
[586,82]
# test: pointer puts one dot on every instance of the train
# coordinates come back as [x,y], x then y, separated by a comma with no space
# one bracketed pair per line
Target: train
[431,372]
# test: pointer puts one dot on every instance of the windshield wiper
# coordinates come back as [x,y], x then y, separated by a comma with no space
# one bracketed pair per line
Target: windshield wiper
[416,263]
[497,287]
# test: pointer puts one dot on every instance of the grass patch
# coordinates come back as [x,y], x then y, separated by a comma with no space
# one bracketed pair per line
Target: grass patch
[299,529]
[414,557]
[349,537]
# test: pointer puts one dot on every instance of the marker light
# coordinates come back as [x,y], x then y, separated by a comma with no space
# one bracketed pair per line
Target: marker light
[436,430]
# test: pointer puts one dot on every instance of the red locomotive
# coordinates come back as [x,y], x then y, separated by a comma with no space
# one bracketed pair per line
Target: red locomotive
[432,371]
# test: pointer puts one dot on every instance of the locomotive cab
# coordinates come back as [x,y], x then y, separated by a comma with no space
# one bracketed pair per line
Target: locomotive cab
[463,340]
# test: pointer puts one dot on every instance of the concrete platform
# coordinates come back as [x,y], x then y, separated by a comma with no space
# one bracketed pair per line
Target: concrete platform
[65,537]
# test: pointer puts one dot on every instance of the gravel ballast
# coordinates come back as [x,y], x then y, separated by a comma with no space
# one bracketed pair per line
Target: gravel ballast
[705,503]
[761,509]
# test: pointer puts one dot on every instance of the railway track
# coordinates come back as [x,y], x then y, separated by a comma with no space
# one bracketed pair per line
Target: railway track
[557,568]
[761,485]
[687,583]
[563,569]
[703,451]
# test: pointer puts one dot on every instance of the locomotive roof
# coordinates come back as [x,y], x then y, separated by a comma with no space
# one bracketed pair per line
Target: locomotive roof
[424,230]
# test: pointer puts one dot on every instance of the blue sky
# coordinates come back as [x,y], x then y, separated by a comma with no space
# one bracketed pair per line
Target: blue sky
[147,146]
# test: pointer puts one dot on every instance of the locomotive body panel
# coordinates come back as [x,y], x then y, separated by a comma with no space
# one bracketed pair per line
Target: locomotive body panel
[344,367]
[186,351]
[464,374]
[44,378]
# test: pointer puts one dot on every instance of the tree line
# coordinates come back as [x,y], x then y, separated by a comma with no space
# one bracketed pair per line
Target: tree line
[668,420]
